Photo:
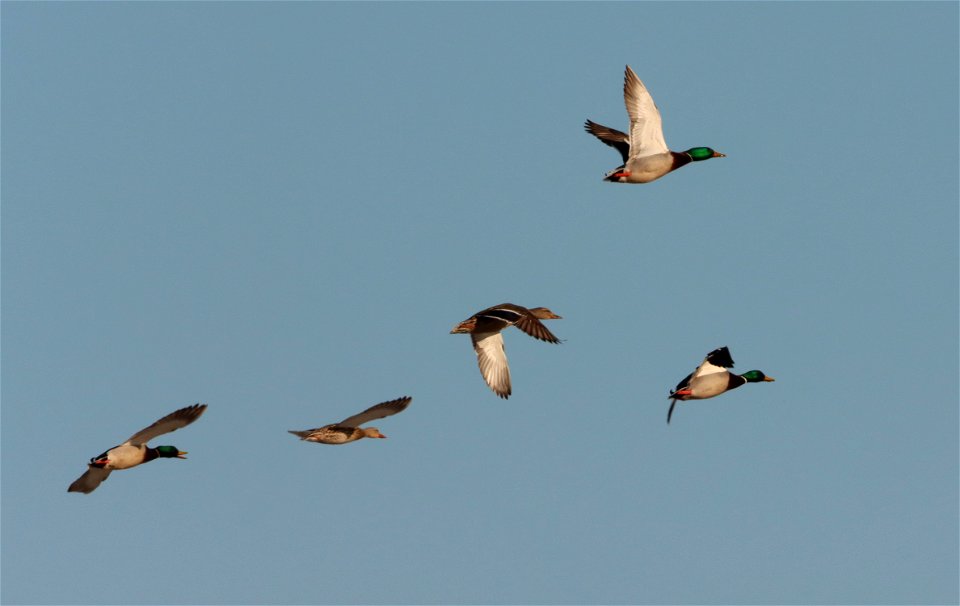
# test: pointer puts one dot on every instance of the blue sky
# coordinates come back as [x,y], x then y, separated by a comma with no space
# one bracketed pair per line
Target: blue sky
[282,209]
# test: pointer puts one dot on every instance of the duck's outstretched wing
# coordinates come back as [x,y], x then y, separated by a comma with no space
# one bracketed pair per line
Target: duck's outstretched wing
[384,409]
[535,328]
[718,360]
[493,361]
[646,129]
[171,422]
[89,481]
[612,137]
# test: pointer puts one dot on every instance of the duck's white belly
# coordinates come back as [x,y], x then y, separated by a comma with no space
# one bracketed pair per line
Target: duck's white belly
[125,456]
[648,168]
[709,386]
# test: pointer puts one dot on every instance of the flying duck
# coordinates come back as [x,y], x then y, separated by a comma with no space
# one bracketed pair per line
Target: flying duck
[349,430]
[484,328]
[135,451]
[711,379]
[646,156]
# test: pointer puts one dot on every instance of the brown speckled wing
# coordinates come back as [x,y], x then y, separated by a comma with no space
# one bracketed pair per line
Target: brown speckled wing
[328,434]
[498,317]
[379,411]
[493,362]
[535,328]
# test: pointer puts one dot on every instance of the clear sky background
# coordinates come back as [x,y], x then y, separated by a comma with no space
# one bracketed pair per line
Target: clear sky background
[282,209]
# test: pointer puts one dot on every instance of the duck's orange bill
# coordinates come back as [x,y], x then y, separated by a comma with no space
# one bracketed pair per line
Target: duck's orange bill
[682,392]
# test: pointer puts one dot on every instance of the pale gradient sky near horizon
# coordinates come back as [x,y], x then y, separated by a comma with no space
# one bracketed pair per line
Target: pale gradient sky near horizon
[281,209]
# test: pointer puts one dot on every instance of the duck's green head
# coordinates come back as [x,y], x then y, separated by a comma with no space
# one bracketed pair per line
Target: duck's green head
[756,376]
[170,452]
[703,153]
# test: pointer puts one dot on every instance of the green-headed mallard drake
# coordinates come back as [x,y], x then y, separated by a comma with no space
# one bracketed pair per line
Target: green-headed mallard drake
[135,451]
[484,328]
[646,156]
[711,379]
[349,430]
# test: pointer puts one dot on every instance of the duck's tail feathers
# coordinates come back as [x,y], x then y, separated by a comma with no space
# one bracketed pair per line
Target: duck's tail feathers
[614,175]
[300,434]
